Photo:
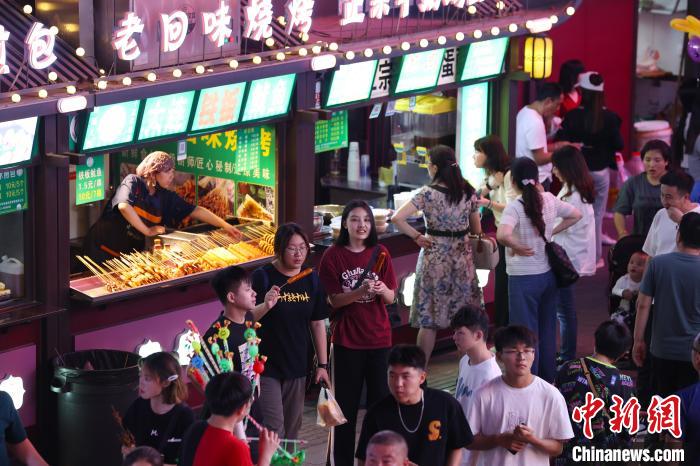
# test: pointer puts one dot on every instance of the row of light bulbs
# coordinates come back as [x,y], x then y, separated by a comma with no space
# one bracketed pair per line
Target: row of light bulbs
[280,56]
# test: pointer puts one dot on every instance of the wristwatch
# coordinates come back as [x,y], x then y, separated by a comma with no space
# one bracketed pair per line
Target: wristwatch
[323,366]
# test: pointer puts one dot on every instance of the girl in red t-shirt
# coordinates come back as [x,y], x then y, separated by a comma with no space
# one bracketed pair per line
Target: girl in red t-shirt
[358,276]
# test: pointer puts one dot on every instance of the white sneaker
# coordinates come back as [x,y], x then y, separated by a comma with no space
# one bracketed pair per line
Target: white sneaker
[607,240]
[600,264]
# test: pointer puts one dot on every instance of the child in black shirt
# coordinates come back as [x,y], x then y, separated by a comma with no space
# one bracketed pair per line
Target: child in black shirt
[159,417]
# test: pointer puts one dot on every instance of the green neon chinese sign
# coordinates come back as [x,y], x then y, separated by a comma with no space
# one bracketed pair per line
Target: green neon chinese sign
[166,115]
[269,97]
[111,125]
[218,106]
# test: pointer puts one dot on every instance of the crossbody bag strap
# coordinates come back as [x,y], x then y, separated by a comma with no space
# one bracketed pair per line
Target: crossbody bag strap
[587,373]
[368,269]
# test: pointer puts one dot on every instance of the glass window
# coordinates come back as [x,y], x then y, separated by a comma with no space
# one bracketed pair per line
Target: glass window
[12,256]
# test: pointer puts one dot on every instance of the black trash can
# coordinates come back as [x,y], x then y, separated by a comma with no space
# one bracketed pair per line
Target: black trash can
[88,384]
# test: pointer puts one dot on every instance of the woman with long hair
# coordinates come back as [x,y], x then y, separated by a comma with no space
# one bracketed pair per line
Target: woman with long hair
[578,241]
[641,194]
[598,131]
[445,275]
[495,192]
[569,73]
[358,276]
[526,224]
[300,310]
[143,205]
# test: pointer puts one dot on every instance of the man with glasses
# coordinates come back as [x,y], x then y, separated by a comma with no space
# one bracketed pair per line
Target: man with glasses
[518,418]
[690,411]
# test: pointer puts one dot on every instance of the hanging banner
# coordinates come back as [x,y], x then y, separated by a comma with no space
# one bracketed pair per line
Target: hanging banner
[332,134]
[90,180]
[13,191]
[246,155]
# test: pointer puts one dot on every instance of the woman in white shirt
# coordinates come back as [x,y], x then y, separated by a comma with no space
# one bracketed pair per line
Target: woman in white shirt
[532,288]
[495,193]
[579,241]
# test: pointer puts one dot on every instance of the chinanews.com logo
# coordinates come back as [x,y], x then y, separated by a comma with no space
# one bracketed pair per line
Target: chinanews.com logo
[662,416]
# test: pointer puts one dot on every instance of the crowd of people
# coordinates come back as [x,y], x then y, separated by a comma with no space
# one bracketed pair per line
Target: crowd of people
[514,404]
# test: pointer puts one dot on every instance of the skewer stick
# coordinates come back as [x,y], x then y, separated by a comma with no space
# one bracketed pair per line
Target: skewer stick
[194,329]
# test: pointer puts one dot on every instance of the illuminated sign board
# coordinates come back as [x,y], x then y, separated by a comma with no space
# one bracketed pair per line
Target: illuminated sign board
[418,71]
[166,115]
[218,107]
[472,117]
[483,59]
[351,83]
[110,125]
[268,97]
[17,140]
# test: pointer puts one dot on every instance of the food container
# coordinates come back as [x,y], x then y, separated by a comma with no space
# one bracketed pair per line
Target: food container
[335,226]
[329,211]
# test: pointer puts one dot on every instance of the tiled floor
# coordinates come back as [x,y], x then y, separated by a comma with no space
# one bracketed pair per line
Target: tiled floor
[591,306]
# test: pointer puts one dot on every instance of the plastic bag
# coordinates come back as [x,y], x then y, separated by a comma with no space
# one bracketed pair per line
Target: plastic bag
[328,410]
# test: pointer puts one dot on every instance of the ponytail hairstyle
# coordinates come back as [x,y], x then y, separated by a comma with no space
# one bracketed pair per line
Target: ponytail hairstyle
[525,175]
[574,171]
[166,368]
[448,172]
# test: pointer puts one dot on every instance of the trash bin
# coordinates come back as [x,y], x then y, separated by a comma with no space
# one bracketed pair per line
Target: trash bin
[88,385]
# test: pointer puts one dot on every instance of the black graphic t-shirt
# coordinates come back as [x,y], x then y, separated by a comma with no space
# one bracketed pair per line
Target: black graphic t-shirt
[608,381]
[148,428]
[236,341]
[442,428]
[284,330]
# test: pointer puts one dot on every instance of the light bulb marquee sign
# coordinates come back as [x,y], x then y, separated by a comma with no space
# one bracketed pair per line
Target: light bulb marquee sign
[38,47]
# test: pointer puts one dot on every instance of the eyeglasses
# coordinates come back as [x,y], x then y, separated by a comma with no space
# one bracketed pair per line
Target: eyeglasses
[295,251]
[524,353]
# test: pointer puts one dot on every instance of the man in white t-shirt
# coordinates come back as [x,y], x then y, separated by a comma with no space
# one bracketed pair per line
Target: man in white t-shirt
[531,133]
[676,186]
[477,366]
[518,419]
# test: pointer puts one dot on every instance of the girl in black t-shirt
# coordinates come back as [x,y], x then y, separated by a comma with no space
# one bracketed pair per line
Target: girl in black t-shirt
[158,418]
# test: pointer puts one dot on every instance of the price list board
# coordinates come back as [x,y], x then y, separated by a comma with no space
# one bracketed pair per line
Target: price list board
[244,155]
[13,191]
[90,181]
[332,134]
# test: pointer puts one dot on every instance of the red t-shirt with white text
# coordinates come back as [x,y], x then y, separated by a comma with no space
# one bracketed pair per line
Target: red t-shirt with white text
[363,324]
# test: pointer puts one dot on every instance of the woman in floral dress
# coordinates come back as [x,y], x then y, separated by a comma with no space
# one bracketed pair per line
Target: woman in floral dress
[445,275]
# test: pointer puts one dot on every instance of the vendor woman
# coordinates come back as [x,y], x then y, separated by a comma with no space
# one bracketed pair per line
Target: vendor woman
[143,206]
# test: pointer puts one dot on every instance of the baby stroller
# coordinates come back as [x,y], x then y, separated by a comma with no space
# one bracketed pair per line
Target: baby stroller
[618,257]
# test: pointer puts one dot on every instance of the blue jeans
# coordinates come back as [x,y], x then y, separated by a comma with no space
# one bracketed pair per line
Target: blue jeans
[601,184]
[532,301]
[566,314]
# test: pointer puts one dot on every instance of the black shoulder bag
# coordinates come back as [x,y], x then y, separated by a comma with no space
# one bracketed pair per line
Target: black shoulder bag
[564,271]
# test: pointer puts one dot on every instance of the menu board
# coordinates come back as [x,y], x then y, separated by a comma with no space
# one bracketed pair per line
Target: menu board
[484,59]
[110,125]
[419,71]
[351,83]
[218,107]
[268,97]
[90,180]
[332,134]
[240,155]
[13,190]
[17,140]
[166,115]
